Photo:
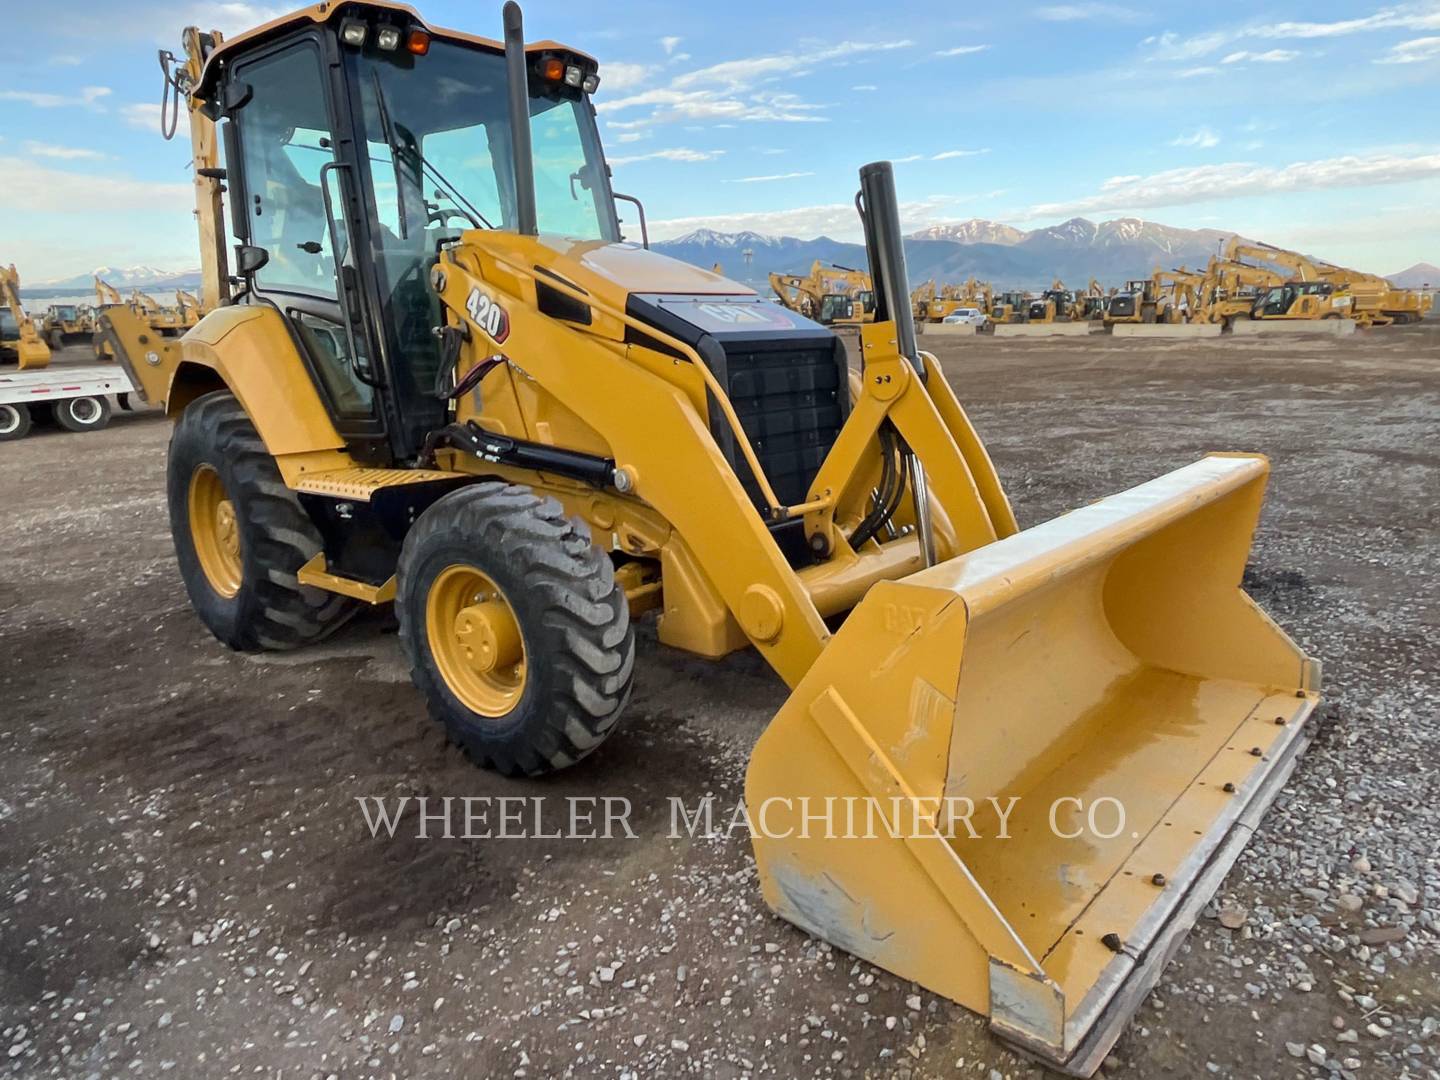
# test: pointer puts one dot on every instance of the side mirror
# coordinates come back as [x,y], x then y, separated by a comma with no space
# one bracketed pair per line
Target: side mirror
[249,259]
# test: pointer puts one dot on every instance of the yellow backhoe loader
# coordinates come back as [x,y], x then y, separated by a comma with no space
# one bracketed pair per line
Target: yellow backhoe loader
[468,397]
[20,342]
[162,319]
[65,324]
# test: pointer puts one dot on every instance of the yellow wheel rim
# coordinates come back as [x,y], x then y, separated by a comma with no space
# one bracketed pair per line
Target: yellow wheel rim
[215,531]
[475,640]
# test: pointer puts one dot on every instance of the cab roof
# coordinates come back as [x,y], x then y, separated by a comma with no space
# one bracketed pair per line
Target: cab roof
[326,11]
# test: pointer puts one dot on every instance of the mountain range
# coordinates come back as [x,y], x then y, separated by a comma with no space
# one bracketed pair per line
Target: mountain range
[1007,257]
[124,278]
[1419,276]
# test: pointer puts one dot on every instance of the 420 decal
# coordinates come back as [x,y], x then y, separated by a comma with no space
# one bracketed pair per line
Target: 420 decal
[488,315]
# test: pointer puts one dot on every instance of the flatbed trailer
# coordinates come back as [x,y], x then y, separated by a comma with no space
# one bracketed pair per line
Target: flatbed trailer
[78,397]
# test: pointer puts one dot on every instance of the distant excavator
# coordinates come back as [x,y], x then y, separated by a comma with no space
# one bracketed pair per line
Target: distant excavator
[831,295]
[20,342]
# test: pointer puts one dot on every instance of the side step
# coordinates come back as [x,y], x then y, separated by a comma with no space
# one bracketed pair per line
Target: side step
[317,575]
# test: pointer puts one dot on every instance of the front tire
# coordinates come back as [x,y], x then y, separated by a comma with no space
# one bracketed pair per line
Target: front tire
[516,631]
[241,535]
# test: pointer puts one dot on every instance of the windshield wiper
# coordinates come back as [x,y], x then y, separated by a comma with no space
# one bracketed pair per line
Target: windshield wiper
[412,148]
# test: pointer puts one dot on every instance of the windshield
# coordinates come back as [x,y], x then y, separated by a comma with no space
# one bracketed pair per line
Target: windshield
[65,313]
[442,120]
[8,325]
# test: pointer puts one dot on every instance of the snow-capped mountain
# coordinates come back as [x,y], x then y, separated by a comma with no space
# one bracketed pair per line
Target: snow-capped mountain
[121,277]
[973,231]
[1074,250]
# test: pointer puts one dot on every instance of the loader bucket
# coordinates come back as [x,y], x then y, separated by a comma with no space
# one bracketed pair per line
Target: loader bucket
[1107,660]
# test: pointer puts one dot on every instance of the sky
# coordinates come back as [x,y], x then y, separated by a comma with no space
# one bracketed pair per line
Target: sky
[1309,125]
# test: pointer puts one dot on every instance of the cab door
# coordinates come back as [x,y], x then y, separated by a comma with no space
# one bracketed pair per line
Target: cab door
[289,196]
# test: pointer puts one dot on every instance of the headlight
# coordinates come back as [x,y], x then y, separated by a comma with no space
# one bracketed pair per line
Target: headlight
[352,32]
[388,39]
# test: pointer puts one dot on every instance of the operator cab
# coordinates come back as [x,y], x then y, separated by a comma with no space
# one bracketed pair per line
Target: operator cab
[358,142]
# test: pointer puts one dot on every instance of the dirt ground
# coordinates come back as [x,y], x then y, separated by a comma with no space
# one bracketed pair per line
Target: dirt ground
[187,884]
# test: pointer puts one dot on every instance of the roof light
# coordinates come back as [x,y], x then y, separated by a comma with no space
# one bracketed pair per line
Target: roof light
[590,84]
[388,38]
[572,75]
[418,42]
[552,68]
[353,32]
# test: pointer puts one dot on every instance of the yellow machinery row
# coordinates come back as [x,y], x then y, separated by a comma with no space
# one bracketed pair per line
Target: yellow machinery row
[30,347]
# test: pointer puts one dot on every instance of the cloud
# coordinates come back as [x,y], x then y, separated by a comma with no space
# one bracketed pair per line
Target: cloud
[768,179]
[89,95]
[731,91]
[1412,52]
[740,74]
[1190,73]
[962,50]
[1273,56]
[670,105]
[65,153]
[33,187]
[1180,187]
[619,75]
[1202,137]
[668,43]
[1076,12]
[1173,46]
[679,154]
[865,86]
[946,155]
[145,116]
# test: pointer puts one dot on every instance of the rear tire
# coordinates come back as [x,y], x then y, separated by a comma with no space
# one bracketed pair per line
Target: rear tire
[241,535]
[565,675]
[15,422]
[83,413]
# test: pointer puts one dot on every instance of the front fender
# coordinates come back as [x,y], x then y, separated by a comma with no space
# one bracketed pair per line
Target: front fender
[249,350]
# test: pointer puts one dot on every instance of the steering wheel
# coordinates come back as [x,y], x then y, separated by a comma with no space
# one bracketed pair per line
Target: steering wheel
[441,216]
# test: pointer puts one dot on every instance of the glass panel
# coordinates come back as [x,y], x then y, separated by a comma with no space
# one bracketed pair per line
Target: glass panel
[439,155]
[285,141]
[329,348]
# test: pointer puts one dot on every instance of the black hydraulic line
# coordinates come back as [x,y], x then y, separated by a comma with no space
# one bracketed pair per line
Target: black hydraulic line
[472,439]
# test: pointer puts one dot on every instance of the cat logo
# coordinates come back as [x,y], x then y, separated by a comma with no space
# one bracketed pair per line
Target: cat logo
[488,315]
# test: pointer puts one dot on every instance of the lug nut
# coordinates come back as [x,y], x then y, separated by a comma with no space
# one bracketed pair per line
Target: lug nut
[1112,942]
[1230,789]
[1158,879]
[1255,751]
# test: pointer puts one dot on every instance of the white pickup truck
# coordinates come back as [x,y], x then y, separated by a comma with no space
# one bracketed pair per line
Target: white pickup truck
[78,397]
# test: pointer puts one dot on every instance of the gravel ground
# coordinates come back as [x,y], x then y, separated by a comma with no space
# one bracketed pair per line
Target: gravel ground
[187,885]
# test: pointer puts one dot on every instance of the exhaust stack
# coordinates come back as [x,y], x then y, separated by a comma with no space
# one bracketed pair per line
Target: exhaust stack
[517,78]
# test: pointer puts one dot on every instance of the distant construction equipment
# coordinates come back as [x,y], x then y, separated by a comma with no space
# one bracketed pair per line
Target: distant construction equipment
[831,295]
[20,342]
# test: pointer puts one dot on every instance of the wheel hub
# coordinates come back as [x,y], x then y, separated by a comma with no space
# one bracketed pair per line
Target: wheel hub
[487,636]
[475,640]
